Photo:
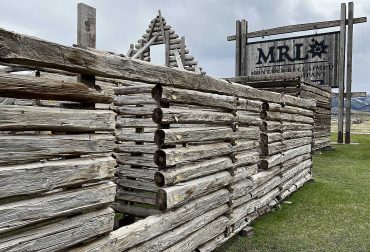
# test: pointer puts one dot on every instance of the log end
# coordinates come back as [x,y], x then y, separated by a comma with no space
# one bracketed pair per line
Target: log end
[159,137]
[265,106]
[160,158]
[157,115]
[161,199]
[159,179]
[157,92]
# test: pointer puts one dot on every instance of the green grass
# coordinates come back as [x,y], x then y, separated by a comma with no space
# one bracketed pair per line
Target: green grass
[330,214]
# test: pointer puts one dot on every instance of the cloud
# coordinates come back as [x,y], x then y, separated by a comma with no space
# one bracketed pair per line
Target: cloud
[205,24]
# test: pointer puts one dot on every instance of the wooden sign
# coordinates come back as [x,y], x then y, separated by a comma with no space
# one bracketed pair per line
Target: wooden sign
[315,57]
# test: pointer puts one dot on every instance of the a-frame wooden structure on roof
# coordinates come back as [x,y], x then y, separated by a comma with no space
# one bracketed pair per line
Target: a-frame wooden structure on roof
[176,52]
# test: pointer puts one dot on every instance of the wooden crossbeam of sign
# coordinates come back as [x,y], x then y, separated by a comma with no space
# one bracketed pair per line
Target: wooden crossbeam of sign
[298,28]
[353,95]
[142,49]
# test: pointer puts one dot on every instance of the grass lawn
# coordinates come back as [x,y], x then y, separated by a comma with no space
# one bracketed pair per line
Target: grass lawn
[330,214]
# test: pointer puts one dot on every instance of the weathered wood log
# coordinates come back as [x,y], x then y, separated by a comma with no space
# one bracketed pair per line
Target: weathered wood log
[137,89]
[263,176]
[24,149]
[271,137]
[173,156]
[296,160]
[274,107]
[145,110]
[242,211]
[131,147]
[134,210]
[169,115]
[287,126]
[272,161]
[288,183]
[191,171]
[244,158]
[133,100]
[267,197]
[277,116]
[137,196]
[141,173]
[25,87]
[242,188]
[127,159]
[126,122]
[35,178]
[121,135]
[172,237]
[297,134]
[61,235]
[144,230]
[182,193]
[311,95]
[35,52]
[286,174]
[273,148]
[144,185]
[55,119]
[201,236]
[183,135]
[271,126]
[26,212]
[263,189]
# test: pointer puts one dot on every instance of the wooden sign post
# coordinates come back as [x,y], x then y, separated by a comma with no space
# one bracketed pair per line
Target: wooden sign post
[318,58]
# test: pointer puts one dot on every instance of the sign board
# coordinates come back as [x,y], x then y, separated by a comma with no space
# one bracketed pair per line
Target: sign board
[314,56]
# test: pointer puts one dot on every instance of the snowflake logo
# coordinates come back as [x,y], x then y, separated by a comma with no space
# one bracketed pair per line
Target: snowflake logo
[317,48]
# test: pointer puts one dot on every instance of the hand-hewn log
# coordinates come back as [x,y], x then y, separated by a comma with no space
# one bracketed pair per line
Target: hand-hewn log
[144,185]
[273,148]
[271,126]
[133,100]
[25,148]
[143,160]
[146,110]
[183,135]
[61,235]
[172,156]
[137,196]
[35,178]
[191,171]
[125,122]
[26,212]
[271,137]
[137,89]
[141,173]
[34,52]
[172,237]
[201,236]
[263,189]
[143,230]
[134,210]
[131,147]
[180,194]
[139,137]
[287,109]
[296,160]
[288,183]
[242,188]
[55,119]
[287,126]
[263,176]
[277,116]
[299,167]
[25,87]
[296,134]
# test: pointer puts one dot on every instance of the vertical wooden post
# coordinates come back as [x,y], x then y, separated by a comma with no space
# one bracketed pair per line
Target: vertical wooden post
[243,48]
[182,50]
[349,73]
[341,62]
[237,48]
[86,36]
[167,47]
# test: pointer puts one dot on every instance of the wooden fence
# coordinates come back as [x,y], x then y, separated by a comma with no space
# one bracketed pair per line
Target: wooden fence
[201,157]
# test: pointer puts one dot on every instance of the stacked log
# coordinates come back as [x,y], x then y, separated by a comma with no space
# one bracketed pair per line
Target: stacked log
[295,86]
[134,150]
[55,165]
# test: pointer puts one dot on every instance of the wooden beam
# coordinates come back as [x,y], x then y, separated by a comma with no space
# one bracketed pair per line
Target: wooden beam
[341,71]
[178,59]
[298,28]
[26,87]
[146,46]
[238,48]
[353,95]
[243,47]
[347,139]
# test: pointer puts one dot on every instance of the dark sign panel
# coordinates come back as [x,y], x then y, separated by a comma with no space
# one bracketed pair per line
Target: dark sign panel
[315,57]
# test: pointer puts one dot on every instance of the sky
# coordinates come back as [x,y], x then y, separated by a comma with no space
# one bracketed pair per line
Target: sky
[204,23]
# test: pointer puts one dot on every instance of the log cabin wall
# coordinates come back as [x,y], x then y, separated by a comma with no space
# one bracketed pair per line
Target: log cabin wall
[198,158]
[297,87]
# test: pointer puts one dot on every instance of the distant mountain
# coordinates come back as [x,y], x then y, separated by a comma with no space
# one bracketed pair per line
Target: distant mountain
[358,104]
